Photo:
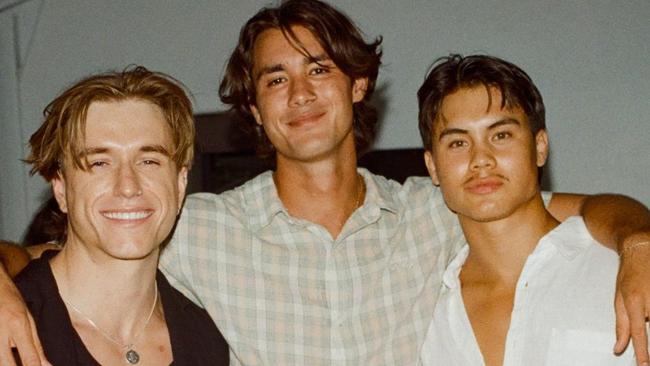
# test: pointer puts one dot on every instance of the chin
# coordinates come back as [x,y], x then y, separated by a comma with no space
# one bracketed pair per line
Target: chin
[485,213]
[132,251]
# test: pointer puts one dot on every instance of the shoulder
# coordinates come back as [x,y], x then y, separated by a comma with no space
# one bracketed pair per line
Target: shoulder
[179,307]
[420,194]
[231,204]
[192,331]
[419,186]
[35,280]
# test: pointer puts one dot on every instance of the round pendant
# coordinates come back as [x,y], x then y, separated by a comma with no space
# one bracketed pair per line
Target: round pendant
[132,356]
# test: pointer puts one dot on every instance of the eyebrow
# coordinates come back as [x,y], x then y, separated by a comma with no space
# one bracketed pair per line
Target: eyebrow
[103,150]
[270,69]
[499,123]
[156,149]
[92,151]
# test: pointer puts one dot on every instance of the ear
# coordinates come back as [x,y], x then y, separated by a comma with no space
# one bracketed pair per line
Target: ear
[182,186]
[58,189]
[256,114]
[359,88]
[431,167]
[541,146]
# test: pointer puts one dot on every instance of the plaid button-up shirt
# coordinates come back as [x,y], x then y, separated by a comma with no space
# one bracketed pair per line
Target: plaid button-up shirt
[284,292]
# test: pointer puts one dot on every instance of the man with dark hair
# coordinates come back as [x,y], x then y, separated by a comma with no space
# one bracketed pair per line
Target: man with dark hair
[319,262]
[526,290]
[341,43]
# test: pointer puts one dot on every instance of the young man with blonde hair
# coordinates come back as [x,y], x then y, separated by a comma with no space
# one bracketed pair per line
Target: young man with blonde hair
[116,148]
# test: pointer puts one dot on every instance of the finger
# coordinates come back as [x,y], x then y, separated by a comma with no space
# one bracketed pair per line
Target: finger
[37,342]
[638,332]
[26,349]
[7,357]
[622,325]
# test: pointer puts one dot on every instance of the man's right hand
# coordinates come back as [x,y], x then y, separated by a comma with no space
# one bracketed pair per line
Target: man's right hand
[18,329]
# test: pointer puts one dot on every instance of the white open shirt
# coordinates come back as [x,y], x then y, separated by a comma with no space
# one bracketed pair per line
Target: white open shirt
[563,312]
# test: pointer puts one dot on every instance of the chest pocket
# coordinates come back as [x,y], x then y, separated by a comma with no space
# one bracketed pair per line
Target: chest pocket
[577,347]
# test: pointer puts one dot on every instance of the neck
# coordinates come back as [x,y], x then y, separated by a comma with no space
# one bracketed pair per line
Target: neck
[325,192]
[499,249]
[117,295]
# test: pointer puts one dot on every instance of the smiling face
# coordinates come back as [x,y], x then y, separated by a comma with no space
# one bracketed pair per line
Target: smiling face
[484,158]
[304,103]
[125,203]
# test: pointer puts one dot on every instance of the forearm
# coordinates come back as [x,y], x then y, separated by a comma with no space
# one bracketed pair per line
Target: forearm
[616,221]
[13,258]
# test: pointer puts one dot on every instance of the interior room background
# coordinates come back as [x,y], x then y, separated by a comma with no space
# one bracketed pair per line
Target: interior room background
[590,59]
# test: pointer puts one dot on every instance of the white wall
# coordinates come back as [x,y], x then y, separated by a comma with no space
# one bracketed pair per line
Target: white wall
[589,59]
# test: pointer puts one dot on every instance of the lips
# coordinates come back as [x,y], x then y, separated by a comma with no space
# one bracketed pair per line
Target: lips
[484,185]
[305,119]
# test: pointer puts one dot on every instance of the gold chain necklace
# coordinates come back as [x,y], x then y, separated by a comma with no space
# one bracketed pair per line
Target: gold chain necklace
[130,355]
[360,191]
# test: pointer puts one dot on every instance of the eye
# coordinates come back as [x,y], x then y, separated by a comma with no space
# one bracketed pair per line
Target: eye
[97,164]
[275,81]
[457,144]
[150,162]
[502,135]
[320,69]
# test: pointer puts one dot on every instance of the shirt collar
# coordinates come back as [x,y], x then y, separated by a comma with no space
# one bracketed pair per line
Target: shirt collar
[263,203]
[451,277]
[569,238]
[378,192]
[261,200]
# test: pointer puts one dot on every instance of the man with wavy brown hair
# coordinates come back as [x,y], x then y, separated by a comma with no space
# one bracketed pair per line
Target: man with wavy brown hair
[341,42]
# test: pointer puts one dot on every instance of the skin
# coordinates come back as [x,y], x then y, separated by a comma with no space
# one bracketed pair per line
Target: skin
[317,181]
[120,208]
[125,203]
[305,105]
[485,160]
[478,149]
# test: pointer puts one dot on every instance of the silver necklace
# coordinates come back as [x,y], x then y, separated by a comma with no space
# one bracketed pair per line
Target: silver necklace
[130,355]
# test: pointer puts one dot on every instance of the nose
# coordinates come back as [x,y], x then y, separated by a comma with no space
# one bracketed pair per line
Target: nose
[301,91]
[482,157]
[127,182]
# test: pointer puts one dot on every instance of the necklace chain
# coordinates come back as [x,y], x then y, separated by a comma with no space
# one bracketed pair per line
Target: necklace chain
[106,335]
[359,191]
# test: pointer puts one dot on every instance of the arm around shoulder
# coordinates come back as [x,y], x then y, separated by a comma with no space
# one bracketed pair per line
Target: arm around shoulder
[13,257]
[622,224]
[617,221]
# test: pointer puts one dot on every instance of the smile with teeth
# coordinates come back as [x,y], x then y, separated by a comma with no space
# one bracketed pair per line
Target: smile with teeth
[127,215]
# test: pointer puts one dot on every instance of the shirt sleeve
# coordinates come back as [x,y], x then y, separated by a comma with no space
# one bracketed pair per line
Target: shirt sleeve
[175,257]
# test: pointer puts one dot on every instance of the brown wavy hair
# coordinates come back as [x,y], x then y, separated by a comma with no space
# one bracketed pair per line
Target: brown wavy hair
[63,130]
[455,71]
[338,36]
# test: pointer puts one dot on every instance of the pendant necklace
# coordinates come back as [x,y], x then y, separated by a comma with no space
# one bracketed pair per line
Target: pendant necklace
[130,355]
